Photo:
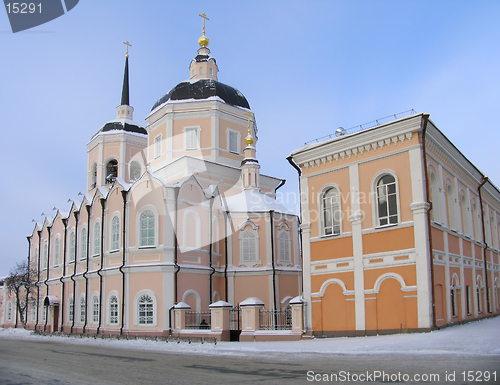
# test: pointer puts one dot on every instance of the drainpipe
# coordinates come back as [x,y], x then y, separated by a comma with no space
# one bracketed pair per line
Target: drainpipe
[485,245]
[225,251]
[124,196]
[271,222]
[299,171]
[429,228]
[283,181]
[76,214]
[49,230]
[38,278]
[176,245]
[210,247]
[87,270]
[61,279]
[99,272]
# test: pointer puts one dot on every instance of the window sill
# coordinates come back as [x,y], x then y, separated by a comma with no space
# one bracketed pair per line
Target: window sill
[147,247]
[114,251]
[386,226]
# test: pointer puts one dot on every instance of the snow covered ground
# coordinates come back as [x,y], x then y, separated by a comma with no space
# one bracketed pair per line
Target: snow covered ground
[480,338]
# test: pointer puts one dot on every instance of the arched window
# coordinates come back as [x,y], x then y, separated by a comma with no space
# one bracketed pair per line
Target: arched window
[35,259]
[477,221]
[115,233]
[9,311]
[113,310]
[111,171]
[453,299]
[450,198]
[387,201]
[145,310]
[201,70]
[135,171]
[71,308]
[249,245]
[331,212]
[82,309]
[57,251]
[72,246]
[211,71]
[284,241]
[45,255]
[44,312]
[93,176]
[97,238]
[436,206]
[147,228]
[83,246]
[95,309]
[465,219]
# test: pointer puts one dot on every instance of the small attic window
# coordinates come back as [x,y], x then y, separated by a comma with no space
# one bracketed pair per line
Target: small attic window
[211,71]
[201,70]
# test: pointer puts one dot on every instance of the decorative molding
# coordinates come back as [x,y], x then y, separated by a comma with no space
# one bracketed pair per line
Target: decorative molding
[356,150]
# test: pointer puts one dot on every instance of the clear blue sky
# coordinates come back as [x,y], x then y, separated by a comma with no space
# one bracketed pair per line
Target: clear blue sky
[306,68]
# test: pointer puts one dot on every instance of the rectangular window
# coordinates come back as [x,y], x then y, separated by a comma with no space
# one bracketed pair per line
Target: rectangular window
[233,142]
[157,146]
[479,303]
[191,137]
[468,298]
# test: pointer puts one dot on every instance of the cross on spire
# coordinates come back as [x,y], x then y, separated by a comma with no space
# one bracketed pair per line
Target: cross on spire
[204,18]
[128,45]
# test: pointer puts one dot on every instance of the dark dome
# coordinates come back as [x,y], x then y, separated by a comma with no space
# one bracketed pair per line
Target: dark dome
[122,125]
[203,89]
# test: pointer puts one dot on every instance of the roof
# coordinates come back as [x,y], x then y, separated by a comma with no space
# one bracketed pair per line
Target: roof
[253,201]
[122,124]
[204,89]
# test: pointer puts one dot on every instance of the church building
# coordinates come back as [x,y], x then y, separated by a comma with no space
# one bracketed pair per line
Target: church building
[174,211]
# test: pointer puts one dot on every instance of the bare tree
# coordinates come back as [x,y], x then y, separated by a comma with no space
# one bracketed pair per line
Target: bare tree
[21,281]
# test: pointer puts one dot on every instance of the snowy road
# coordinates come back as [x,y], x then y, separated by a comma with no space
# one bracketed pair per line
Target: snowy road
[462,354]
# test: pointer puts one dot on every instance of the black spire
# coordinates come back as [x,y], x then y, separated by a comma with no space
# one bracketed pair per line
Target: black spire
[125,99]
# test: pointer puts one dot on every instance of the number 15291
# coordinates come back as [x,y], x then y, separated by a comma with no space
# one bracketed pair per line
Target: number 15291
[23,7]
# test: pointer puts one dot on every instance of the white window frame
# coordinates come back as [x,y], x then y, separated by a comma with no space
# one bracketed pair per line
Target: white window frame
[197,130]
[253,229]
[284,242]
[321,208]
[83,241]
[45,255]
[110,317]
[71,307]
[134,165]
[450,204]
[82,313]
[158,145]
[112,243]
[95,312]
[375,208]
[10,311]
[197,230]
[138,226]
[238,141]
[57,250]
[72,246]
[97,239]
[136,308]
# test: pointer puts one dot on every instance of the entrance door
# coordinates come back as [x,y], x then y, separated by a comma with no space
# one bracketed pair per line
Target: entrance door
[56,319]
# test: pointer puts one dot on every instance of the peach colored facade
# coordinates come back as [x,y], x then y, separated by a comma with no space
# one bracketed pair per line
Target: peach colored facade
[374,205]
[174,212]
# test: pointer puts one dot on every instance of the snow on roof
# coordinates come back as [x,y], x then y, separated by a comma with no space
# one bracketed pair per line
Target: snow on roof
[253,201]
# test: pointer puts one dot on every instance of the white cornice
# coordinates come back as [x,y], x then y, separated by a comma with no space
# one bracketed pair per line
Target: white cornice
[357,143]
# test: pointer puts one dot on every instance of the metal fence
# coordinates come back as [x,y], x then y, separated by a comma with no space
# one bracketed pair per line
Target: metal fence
[235,318]
[198,320]
[275,319]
